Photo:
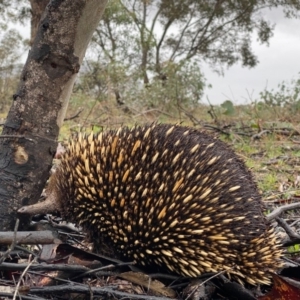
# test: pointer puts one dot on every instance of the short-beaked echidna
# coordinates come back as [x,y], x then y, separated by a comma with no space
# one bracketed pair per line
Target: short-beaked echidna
[166,196]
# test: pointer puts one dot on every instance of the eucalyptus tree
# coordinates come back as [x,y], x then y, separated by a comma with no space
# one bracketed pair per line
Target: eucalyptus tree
[29,137]
[149,40]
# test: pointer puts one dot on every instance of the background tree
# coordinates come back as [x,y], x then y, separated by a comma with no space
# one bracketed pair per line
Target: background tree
[18,11]
[154,43]
[11,45]
[145,43]
[29,136]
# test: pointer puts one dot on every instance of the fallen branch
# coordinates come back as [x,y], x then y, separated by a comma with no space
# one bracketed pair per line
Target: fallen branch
[29,237]
[260,134]
[85,289]
[22,296]
[281,209]
[292,235]
[43,267]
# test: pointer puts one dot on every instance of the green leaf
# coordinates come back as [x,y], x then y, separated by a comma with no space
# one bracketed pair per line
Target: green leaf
[228,108]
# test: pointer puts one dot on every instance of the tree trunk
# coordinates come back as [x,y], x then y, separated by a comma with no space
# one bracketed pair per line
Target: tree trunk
[29,136]
[37,9]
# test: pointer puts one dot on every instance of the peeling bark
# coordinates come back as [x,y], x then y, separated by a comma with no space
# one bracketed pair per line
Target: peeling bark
[29,136]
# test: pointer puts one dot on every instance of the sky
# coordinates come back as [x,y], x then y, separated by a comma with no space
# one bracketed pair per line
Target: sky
[278,62]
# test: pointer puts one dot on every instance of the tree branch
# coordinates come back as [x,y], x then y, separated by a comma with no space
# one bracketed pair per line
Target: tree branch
[28,237]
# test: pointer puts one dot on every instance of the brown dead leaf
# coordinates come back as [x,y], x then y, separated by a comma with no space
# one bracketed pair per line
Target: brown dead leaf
[155,286]
[282,290]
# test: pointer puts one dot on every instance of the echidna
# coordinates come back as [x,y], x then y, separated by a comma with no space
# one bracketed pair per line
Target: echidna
[166,196]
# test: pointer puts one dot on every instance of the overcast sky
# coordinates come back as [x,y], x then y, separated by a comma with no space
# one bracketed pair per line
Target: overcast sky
[280,61]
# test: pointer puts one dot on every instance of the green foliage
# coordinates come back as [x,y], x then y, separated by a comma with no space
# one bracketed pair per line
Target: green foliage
[100,81]
[150,52]
[294,249]
[286,95]
[282,102]
[141,49]
[10,45]
[182,85]
[228,108]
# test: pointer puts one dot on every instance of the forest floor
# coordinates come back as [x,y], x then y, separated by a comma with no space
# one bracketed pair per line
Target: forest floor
[267,138]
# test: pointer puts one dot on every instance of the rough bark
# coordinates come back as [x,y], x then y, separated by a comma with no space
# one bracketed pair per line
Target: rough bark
[29,136]
[37,9]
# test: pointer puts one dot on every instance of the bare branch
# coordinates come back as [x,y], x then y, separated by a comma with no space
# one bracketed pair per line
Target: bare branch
[279,210]
[84,289]
[28,237]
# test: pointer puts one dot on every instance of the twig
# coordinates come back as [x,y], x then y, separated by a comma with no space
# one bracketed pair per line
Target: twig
[287,242]
[24,297]
[75,116]
[192,118]
[15,137]
[101,269]
[291,261]
[292,235]
[13,242]
[96,291]
[259,135]
[42,267]
[21,278]
[218,129]
[211,112]
[203,282]
[243,133]
[29,237]
[280,210]
[154,110]
[91,292]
